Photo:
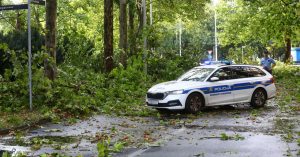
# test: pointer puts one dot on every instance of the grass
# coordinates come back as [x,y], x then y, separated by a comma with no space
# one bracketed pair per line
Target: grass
[11,120]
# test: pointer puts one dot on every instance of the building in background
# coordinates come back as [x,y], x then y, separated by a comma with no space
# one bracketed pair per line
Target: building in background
[295,52]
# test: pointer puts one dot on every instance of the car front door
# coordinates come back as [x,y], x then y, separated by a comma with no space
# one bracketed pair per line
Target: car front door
[220,91]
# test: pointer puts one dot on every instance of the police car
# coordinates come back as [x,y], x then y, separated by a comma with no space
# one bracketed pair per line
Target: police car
[212,85]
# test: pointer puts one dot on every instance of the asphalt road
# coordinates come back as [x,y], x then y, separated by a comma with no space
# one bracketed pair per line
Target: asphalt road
[238,131]
[232,131]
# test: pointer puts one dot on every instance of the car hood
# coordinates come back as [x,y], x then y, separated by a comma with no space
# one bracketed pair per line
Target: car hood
[176,85]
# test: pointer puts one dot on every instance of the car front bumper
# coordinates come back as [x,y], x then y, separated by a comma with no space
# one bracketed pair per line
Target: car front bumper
[170,102]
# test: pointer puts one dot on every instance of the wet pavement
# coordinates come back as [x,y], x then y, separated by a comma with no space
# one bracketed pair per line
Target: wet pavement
[238,131]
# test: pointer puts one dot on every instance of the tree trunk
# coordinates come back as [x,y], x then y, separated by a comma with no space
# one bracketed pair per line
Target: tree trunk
[108,35]
[18,21]
[123,31]
[140,16]
[132,39]
[288,47]
[51,16]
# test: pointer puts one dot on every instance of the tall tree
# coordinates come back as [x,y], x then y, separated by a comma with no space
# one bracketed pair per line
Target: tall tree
[18,21]
[269,23]
[132,39]
[51,16]
[123,31]
[108,35]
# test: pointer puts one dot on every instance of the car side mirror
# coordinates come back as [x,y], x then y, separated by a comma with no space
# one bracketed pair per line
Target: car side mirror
[214,79]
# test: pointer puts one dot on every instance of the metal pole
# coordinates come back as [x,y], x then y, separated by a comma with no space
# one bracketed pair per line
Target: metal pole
[216,40]
[180,32]
[145,38]
[242,54]
[151,19]
[151,16]
[29,55]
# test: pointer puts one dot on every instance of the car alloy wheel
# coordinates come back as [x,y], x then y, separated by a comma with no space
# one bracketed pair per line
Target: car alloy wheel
[258,98]
[194,103]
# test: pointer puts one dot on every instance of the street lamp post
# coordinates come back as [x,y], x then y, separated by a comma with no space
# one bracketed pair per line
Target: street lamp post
[216,39]
[243,54]
[180,34]
[144,9]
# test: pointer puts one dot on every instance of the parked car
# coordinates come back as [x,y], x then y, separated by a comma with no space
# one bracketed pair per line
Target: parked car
[212,85]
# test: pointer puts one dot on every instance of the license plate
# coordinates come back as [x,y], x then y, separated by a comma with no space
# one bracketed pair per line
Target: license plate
[153,102]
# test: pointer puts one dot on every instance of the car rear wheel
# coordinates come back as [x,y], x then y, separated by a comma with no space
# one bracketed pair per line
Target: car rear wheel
[259,98]
[194,103]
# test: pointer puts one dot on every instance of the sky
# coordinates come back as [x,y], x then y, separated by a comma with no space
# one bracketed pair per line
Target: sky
[17,1]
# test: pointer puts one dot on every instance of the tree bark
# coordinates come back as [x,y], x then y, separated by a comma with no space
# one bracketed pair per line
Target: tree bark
[123,31]
[140,16]
[108,35]
[51,16]
[18,21]
[132,39]
[288,47]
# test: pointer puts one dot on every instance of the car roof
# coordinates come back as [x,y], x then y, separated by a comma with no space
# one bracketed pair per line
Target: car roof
[208,66]
[223,65]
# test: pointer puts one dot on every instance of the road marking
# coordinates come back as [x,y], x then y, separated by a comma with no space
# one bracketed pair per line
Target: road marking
[166,138]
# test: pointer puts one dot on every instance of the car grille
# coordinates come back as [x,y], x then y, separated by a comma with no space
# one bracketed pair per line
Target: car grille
[159,96]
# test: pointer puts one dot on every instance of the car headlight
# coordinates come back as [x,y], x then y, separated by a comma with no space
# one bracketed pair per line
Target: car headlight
[175,92]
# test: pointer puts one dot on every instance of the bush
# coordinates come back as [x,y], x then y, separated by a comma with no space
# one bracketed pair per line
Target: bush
[82,91]
[283,70]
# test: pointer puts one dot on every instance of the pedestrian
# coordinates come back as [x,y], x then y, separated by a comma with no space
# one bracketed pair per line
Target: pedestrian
[267,62]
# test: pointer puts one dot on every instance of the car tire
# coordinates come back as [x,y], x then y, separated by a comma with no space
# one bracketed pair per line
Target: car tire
[194,103]
[259,98]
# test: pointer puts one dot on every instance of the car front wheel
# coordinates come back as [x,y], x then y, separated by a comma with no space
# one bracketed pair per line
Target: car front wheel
[259,98]
[194,103]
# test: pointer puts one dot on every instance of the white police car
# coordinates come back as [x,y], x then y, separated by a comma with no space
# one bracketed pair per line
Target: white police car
[212,85]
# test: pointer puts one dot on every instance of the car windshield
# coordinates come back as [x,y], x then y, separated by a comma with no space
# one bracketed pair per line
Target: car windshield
[196,74]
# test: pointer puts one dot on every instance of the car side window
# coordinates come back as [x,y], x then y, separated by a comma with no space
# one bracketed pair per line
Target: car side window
[223,74]
[255,72]
[239,72]
[245,72]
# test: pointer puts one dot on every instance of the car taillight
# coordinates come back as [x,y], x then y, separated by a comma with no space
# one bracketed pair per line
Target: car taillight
[272,80]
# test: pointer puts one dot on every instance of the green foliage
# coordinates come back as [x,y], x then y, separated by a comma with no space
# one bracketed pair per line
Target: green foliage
[17,40]
[76,91]
[283,71]
[104,148]
[170,66]
[15,82]
[259,23]
[224,136]
[236,137]
[288,86]
[244,55]
[5,154]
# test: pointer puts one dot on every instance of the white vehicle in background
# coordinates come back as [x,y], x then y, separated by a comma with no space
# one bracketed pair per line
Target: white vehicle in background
[212,85]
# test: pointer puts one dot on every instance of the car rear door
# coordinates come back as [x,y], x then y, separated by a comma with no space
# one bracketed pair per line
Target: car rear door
[245,79]
[219,92]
